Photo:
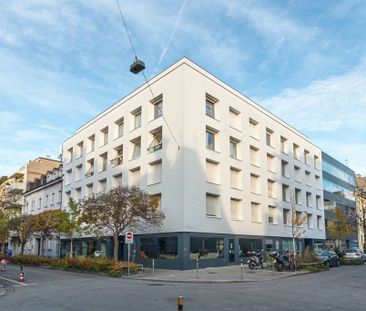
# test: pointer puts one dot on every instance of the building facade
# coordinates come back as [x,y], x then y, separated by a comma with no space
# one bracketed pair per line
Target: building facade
[361,209]
[13,189]
[339,192]
[227,172]
[44,194]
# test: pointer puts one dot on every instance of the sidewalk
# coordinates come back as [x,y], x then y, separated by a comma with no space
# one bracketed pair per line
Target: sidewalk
[226,274]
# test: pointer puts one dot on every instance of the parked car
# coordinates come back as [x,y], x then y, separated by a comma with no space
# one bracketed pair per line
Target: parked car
[328,258]
[354,253]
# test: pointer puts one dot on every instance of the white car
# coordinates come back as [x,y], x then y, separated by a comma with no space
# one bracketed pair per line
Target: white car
[354,253]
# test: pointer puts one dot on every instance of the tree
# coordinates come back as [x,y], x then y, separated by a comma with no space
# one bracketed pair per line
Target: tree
[3,229]
[70,224]
[339,227]
[22,228]
[120,208]
[45,224]
[360,195]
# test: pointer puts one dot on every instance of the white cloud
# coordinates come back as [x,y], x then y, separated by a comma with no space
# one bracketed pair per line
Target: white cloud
[325,105]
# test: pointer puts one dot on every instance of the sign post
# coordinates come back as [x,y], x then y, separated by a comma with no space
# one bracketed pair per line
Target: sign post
[128,241]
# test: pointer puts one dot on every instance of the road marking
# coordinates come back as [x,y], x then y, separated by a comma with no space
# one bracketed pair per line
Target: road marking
[10,280]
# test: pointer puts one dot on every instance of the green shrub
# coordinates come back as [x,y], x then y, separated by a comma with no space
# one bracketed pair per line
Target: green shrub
[316,268]
[351,261]
[309,256]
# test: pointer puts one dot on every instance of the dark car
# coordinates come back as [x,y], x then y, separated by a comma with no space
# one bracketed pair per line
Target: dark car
[329,258]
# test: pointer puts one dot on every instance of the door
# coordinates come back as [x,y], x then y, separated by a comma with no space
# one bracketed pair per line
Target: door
[231,251]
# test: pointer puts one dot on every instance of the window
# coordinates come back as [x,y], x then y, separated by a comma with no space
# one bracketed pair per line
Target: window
[284,145]
[103,161]
[33,205]
[254,156]
[319,222]
[163,248]
[235,121]
[234,147]
[272,214]
[210,105]
[136,118]
[78,172]
[299,220]
[69,155]
[104,136]
[154,173]
[79,150]
[296,151]
[157,199]
[91,143]
[135,176]
[255,183]
[46,201]
[253,128]
[89,189]
[102,185]
[67,198]
[59,197]
[269,134]
[206,248]
[90,168]
[53,197]
[317,182]
[271,187]
[136,147]
[236,209]
[156,140]
[119,126]
[256,212]
[78,195]
[285,193]
[286,216]
[318,202]
[68,177]
[271,163]
[235,178]
[212,202]
[284,169]
[117,156]
[308,178]
[297,196]
[309,220]
[40,203]
[306,157]
[297,171]
[212,171]
[158,106]
[117,180]
[210,138]
[316,162]
[308,199]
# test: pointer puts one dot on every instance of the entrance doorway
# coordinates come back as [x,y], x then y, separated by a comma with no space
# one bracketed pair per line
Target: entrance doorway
[231,251]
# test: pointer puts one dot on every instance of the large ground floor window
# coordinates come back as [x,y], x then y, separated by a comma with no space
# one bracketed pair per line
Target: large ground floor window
[159,247]
[84,247]
[246,245]
[206,248]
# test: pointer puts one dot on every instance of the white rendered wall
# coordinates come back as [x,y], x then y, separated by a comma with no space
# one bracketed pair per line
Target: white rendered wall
[183,187]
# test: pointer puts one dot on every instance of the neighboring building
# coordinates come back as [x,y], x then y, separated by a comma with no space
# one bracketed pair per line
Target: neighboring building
[13,188]
[361,209]
[44,194]
[227,188]
[339,190]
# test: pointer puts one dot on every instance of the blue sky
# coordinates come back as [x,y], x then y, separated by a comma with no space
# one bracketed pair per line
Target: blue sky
[64,61]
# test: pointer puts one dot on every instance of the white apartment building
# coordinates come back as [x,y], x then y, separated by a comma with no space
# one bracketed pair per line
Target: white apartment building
[44,194]
[226,170]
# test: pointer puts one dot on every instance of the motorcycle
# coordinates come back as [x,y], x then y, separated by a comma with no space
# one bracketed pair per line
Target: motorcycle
[255,259]
[282,261]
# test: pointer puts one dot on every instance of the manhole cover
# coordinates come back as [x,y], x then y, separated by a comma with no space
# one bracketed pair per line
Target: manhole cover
[156,284]
[211,272]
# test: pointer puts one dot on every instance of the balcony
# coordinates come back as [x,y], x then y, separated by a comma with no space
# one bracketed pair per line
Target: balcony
[16,187]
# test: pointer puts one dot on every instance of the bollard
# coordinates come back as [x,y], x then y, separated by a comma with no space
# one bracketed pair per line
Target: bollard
[241,269]
[180,303]
[21,274]
[197,266]
[153,267]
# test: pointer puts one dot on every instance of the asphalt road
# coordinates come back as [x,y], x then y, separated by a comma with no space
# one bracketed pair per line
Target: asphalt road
[341,288]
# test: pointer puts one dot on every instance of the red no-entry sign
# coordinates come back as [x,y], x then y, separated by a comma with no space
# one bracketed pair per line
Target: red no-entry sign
[129,237]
